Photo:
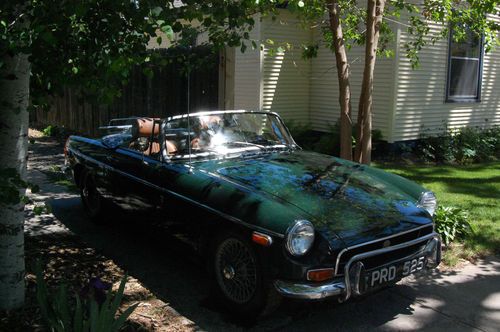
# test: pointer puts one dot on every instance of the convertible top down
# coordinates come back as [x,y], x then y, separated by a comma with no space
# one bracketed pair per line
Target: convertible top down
[269,218]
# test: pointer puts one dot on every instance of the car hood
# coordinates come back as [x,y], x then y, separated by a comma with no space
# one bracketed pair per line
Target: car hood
[344,200]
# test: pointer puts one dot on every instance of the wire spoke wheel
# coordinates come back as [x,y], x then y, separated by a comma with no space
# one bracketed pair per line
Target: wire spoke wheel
[89,194]
[236,270]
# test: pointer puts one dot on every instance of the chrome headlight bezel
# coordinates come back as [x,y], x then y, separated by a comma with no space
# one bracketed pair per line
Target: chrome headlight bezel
[428,202]
[300,237]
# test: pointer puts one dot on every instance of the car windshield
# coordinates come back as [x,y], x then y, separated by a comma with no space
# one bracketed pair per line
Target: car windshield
[225,133]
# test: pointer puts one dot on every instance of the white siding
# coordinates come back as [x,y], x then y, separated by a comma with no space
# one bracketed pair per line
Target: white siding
[285,75]
[406,102]
[324,96]
[247,75]
[421,94]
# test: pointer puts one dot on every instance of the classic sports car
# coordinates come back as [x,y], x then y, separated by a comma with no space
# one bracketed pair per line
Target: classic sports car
[268,217]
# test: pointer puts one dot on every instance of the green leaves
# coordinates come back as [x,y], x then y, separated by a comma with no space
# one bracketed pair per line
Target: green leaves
[460,145]
[105,39]
[39,209]
[93,45]
[48,37]
[156,11]
[12,190]
[404,14]
[85,316]
[243,47]
[309,51]
[452,223]
[169,32]
[11,185]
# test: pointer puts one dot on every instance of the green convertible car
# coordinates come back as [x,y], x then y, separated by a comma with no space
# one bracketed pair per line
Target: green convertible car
[270,219]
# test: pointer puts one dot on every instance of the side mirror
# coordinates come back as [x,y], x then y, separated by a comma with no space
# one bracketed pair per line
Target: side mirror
[115,140]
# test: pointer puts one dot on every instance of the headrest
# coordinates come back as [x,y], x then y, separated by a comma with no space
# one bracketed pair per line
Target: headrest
[145,127]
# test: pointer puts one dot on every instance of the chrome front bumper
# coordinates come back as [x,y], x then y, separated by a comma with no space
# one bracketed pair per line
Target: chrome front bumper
[344,286]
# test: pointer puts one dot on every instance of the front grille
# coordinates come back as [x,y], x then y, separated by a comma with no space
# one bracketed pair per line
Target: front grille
[379,244]
[379,260]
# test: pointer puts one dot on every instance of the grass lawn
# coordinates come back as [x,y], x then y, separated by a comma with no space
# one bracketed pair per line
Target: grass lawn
[474,188]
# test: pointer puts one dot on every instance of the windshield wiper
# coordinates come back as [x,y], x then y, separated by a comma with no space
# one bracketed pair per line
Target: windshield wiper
[271,145]
[246,143]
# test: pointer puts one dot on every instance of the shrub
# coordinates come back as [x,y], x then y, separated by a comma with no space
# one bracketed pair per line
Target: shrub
[329,142]
[94,310]
[323,142]
[452,223]
[51,131]
[462,145]
[302,133]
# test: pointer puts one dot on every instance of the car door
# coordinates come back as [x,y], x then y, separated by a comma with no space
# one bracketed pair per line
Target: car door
[130,163]
[161,174]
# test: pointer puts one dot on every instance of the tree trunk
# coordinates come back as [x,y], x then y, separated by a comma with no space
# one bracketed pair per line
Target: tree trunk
[14,87]
[375,12]
[343,78]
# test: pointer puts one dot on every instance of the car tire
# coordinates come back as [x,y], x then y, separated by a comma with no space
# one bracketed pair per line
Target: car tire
[240,278]
[93,202]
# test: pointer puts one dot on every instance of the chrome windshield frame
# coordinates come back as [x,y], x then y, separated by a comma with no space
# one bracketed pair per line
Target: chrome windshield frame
[238,152]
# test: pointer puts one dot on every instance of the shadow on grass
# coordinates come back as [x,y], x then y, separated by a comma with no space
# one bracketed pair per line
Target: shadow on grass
[484,240]
[478,187]
[438,169]
[480,180]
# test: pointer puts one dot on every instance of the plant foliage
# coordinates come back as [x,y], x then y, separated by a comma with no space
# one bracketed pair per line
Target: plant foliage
[462,145]
[96,313]
[464,16]
[94,45]
[452,223]
[51,131]
[327,142]
[11,187]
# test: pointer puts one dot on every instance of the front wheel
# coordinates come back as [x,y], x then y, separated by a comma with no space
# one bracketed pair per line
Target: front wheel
[240,280]
[91,198]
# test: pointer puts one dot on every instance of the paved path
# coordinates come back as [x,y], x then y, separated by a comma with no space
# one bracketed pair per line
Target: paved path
[467,299]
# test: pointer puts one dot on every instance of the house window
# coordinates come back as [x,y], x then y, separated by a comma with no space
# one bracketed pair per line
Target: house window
[465,59]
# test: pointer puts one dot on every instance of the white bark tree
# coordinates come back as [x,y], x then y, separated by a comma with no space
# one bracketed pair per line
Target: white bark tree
[14,96]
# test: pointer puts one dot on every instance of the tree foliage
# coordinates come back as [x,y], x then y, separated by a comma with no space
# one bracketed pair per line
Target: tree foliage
[93,44]
[413,16]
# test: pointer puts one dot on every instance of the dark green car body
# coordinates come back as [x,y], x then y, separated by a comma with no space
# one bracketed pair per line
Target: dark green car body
[349,204]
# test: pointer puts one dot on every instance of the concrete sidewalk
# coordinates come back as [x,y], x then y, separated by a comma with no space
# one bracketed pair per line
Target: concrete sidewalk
[465,299]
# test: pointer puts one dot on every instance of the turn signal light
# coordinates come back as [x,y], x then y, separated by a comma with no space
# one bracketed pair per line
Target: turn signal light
[320,274]
[262,239]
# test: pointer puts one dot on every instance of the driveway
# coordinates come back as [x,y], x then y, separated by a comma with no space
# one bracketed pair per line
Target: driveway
[465,299]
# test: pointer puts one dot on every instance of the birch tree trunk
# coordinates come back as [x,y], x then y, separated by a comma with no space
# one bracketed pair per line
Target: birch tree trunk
[14,121]
[375,12]
[343,78]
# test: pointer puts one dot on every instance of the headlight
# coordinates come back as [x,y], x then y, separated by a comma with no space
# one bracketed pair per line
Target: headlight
[428,202]
[300,237]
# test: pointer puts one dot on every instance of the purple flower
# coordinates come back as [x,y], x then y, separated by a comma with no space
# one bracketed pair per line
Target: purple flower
[96,289]
[98,284]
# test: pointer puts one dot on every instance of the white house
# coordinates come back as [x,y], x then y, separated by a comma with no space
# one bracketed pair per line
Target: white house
[456,84]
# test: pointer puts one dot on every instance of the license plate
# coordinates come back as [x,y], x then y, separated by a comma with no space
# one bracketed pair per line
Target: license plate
[390,273]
